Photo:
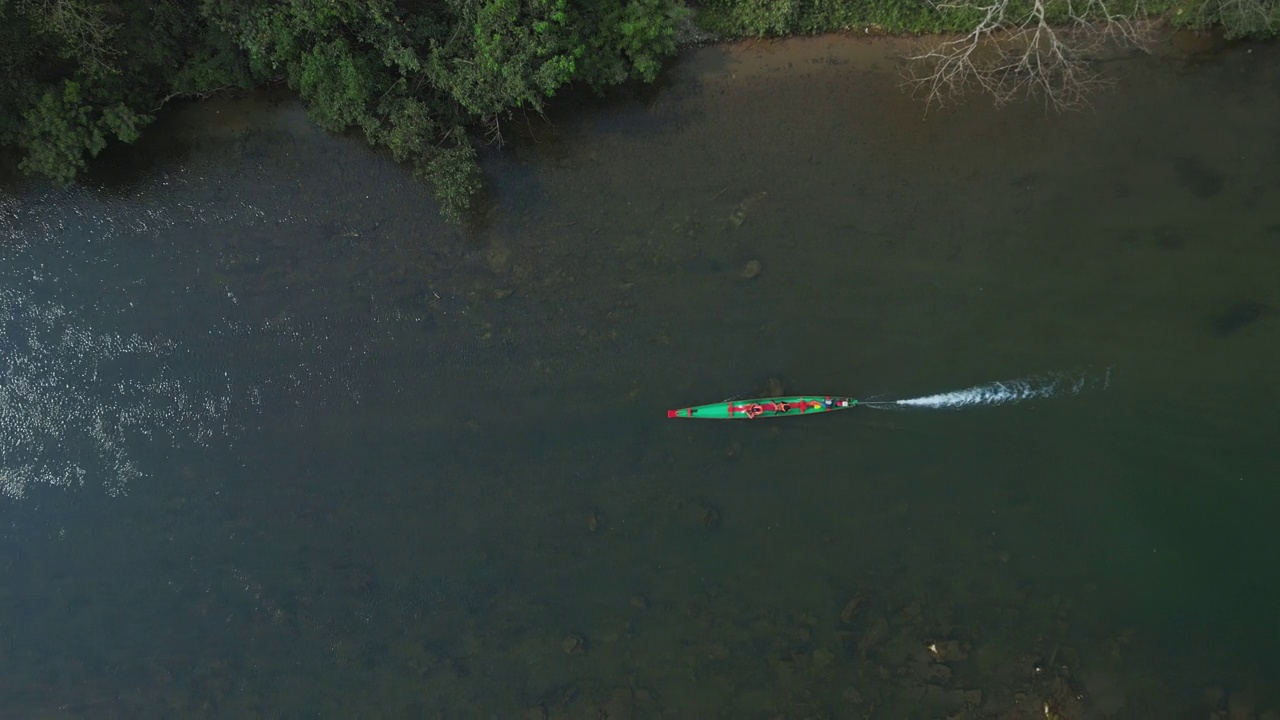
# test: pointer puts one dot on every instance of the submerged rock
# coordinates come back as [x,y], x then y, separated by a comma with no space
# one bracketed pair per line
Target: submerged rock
[1198,178]
[1240,706]
[498,259]
[573,645]
[739,214]
[710,517]
[850,610]
[1237,317]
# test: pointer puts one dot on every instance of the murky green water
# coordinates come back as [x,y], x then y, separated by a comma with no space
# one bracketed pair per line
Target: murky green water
[328,458]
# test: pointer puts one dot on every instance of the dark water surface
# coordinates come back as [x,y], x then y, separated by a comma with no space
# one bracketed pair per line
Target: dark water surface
[279,444]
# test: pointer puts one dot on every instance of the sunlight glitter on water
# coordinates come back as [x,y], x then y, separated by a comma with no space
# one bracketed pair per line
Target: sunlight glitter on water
[79,395]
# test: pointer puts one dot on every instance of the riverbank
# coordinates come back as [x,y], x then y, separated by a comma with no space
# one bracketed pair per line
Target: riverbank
[434,87]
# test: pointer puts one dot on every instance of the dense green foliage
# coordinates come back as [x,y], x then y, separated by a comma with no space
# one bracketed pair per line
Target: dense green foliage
[762,18]
[428,80]
[1237,18]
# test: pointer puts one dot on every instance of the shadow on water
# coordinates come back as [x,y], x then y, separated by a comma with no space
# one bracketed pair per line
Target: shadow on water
[122,170]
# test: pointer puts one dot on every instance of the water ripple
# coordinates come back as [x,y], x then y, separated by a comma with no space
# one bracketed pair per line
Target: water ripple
[95,369]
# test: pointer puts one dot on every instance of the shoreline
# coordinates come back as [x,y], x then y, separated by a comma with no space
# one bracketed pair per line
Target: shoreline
[690,37]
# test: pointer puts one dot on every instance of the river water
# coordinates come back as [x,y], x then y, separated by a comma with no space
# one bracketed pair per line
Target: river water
[276,442]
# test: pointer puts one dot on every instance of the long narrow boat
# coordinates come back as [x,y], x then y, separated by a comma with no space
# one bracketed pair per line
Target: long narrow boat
[765,407]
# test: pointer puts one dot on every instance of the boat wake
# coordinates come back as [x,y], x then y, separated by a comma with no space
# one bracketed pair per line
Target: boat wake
[1005,392]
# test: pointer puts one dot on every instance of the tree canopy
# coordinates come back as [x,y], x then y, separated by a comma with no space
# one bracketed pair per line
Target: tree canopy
[427,80]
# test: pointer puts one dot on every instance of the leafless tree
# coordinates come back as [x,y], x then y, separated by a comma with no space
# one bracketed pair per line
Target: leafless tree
[1026,48]
[85,27]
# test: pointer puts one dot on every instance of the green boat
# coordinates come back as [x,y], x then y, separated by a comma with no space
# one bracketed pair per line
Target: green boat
[765,407]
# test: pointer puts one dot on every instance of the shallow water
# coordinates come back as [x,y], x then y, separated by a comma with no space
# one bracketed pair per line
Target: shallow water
[277,441]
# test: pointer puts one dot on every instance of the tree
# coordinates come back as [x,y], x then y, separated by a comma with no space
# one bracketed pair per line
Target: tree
[422,79]
[1243,18]
[63,129]
[426,80]
[86,32]
[80,74]
[1027,48]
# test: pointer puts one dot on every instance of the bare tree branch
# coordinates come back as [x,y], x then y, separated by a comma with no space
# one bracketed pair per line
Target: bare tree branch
[493,135]
[199,96]
[1031,48]
[84,27]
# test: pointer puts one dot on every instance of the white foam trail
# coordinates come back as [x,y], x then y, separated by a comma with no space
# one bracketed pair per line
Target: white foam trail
[1006,392]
